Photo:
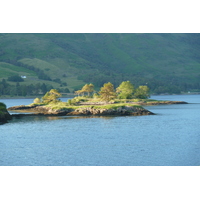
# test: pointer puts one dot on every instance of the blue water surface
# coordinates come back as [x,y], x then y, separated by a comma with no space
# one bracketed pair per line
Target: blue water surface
[169,138]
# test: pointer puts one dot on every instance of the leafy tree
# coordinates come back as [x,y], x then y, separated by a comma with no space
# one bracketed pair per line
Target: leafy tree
[142,92]
[87,88]
[125,90]
[107,92]
[50,96]
[78,92]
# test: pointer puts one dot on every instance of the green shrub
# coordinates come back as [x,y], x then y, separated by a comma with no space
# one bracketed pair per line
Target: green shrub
[36,100]
[72,102]
[15,78]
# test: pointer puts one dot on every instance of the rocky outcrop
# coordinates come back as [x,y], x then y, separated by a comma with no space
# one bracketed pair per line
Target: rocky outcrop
[39,110]
[4,116]
[90,110]
[125,110]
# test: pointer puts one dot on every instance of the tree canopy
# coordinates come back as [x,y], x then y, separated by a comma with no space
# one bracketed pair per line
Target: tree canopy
[142,92]
[107,92]
[52,95]
[125,90]
[87,88]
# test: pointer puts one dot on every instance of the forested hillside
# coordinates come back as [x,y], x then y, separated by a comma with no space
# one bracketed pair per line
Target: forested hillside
[164,62]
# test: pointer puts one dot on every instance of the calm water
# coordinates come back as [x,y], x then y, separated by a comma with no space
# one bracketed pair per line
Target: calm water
[170,138]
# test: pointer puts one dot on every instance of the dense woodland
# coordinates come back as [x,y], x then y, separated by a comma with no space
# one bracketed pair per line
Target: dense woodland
[26,90]
[18,89]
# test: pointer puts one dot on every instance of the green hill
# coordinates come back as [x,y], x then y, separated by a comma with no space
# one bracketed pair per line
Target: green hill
[165,62]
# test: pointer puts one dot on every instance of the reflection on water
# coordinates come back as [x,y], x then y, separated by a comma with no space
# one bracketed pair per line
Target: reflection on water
[25,118]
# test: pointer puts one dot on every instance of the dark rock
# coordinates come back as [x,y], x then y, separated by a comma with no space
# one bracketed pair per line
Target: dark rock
[4,116]
[127,110]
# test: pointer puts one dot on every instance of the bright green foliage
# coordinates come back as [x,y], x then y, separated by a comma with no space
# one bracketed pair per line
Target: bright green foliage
[95,96]
[75,100]
[71,102]
[36,100]
[87,88]
[78,92]
[142,92]
[50,96]
[107,92]
[90,88]
[125,90]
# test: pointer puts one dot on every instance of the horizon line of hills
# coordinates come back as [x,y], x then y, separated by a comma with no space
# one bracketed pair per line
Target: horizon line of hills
[166,63]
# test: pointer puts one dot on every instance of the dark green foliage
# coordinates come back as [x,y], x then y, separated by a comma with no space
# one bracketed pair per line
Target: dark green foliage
[42,75]
[15,78]
[22,90]
[2,106]
[57,80]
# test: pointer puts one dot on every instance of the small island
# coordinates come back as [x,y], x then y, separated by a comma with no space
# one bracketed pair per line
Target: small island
[122,101]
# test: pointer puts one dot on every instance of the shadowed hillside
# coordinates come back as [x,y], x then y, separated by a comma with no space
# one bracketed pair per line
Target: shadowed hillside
[165,62]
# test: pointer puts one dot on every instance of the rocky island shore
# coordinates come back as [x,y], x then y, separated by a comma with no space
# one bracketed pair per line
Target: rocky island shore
[50,105]
[80,110]
[89,108]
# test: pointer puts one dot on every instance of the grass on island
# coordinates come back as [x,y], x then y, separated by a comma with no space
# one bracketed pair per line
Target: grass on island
[63,106]
[78,102]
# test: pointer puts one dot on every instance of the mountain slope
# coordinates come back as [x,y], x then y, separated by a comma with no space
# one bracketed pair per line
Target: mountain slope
[159,60]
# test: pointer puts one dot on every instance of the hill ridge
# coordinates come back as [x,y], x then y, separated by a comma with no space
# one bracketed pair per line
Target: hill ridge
[162,61]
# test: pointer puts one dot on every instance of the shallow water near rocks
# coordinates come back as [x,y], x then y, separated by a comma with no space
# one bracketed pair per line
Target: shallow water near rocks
[169,138]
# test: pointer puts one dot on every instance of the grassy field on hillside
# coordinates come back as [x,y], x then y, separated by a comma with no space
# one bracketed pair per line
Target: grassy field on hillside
[162,61]
[9,70]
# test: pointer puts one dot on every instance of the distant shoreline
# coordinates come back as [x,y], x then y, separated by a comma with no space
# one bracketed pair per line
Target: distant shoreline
[31,97]
[72,96]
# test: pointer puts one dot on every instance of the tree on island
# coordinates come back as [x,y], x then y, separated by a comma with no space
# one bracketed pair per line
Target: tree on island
[87,88]
[125,90]
[142,92]
[50,96]
[107,92]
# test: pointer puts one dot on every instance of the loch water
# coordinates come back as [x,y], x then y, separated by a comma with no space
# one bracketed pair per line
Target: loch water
[169,138]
